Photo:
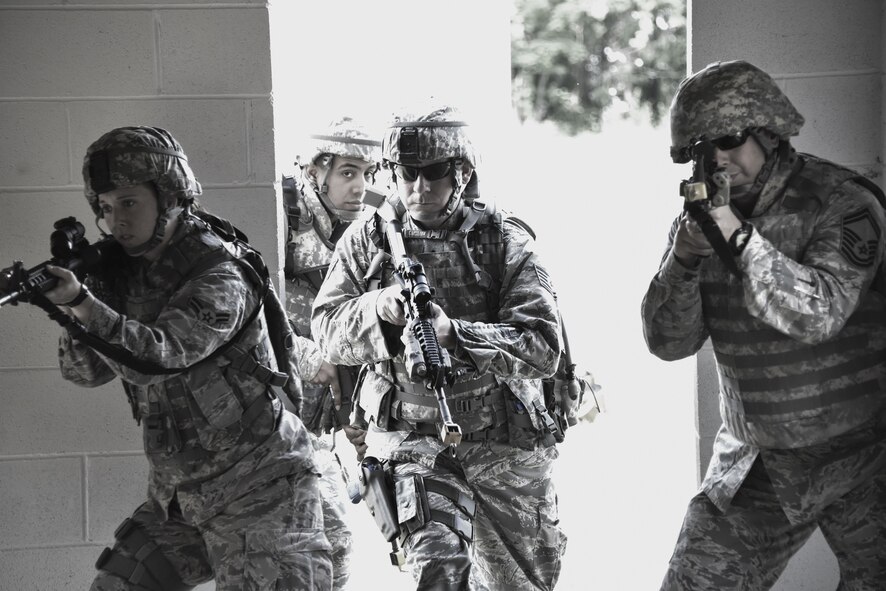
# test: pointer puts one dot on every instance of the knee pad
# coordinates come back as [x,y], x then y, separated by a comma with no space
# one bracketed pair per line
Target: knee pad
[139,561]
[414,508]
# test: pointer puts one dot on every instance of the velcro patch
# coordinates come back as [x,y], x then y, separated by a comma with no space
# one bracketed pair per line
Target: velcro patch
[860,238]
[206,314]
[544,279]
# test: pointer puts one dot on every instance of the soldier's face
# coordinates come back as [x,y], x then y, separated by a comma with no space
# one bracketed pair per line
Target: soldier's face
[743,163]
[346,180]
[425,200]
[130,214]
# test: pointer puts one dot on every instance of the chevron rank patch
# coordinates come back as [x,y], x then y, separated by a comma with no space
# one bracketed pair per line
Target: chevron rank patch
[544,279]
[206,314]
[860,238]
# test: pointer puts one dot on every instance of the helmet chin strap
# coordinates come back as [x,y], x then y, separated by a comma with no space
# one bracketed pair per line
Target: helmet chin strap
[336,214]
[158,235]
[458,186]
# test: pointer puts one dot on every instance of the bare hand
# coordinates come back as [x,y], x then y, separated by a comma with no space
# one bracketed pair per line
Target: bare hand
[327,375]
[443,326]
[391,306]
[357,437]
[726,220]
[690,243]
[66,289]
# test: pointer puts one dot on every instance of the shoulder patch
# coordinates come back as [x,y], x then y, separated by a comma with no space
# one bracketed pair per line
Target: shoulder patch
[859,238]
[206,314]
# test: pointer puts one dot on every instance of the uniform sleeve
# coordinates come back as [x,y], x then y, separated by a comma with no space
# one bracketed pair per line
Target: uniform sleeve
[307,358]
[81,365]
[811,299]
[526,342]
[344,322]
[673,324]
[201,316]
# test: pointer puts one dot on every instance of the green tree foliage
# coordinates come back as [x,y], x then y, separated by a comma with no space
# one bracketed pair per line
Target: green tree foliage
[571,60]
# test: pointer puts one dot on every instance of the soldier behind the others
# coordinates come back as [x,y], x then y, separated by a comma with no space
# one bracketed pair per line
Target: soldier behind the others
[791,305]
[183,315]
[321,202]
[483,511]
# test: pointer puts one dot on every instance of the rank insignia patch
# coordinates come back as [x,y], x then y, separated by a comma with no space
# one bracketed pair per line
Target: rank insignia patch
[206,314]
[544,279]
[859,239]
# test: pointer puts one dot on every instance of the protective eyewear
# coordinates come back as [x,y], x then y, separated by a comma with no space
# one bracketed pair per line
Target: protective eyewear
[431,172]
[730,142]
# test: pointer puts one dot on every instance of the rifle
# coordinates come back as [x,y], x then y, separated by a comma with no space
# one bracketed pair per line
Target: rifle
[69,249]
[426,361]
[702,193]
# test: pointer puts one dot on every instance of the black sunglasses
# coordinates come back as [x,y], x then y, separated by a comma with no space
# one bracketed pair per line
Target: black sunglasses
[730,142]
[431,172]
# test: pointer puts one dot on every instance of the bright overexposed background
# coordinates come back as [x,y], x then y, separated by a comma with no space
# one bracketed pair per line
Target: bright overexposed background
[600,204]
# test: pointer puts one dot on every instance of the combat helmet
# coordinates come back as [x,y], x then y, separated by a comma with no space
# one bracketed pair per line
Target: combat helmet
[726,98]
[128,156]
[438,135]
[346,138]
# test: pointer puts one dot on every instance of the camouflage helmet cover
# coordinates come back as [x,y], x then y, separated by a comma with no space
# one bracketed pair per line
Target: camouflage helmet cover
[346,138]
[438,135]
[128,156]
[725,98]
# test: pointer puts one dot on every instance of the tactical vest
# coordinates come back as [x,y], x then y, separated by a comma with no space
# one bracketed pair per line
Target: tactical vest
[219,408]
[464,266]
[778,392]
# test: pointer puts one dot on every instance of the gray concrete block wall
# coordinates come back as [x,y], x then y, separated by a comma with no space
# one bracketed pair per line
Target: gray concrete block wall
[829,59]
[71,465]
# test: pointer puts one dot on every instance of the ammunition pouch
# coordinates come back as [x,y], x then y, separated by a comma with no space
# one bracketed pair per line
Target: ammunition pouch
[495,415]
[160,432]
[318,407]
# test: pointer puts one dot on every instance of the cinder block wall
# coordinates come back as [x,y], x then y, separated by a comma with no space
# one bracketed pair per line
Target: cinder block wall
[71,465]
[829,58]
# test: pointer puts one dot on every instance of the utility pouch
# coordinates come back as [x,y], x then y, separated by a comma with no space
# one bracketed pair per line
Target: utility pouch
[160,432]
[521,431]
[348,380]
[413,510]
[378,491]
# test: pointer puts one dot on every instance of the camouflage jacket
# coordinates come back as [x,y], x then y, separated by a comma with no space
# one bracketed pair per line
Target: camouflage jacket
[308,252]
[518,348]
[212,433]
[800,339]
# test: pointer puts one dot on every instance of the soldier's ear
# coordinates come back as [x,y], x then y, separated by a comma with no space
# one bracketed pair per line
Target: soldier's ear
[466,172]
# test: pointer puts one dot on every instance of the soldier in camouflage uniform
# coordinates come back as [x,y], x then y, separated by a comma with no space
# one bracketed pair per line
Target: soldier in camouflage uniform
[799,334]
[233,488]
[482,513]
[321,203]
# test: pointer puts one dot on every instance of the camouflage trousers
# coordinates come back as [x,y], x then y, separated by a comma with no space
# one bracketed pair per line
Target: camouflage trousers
[271,539]
[332,495]
[517,543]
[748,547]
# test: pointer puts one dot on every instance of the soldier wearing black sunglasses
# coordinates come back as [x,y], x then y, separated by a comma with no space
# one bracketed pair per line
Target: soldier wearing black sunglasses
[479,513]
[799,331]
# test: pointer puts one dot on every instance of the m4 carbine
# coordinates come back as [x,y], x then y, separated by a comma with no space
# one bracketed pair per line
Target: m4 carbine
[426,361]
[69,249]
